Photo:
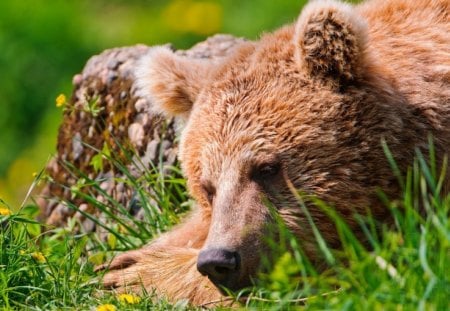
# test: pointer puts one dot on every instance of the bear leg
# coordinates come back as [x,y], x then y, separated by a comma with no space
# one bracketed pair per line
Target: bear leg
[167,267]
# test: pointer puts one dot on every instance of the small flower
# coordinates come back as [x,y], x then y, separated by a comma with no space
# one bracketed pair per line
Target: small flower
[22,252]
[38,257]
[61,100]
[128,298]
[106,307]
[4,211]
[122,229]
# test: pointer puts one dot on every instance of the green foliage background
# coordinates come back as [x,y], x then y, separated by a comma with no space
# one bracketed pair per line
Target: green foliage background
[44,43]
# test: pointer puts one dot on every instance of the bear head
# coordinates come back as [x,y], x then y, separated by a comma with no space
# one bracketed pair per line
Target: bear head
[305,107]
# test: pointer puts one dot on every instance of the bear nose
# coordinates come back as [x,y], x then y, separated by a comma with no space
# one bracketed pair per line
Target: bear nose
[218,264]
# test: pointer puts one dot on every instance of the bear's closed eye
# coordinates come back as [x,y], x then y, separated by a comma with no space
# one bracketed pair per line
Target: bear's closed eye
[266,171]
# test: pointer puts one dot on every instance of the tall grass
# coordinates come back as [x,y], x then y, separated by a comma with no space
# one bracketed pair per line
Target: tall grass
[406,266]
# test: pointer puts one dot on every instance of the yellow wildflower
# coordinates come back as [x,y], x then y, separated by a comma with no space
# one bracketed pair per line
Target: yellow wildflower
[38,256]
[22,252]
[122,229]
[4,211]
[106,307]
[61,100]
[128,298]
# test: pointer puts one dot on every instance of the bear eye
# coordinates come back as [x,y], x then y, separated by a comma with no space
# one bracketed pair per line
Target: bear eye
[210,191]
[266,171]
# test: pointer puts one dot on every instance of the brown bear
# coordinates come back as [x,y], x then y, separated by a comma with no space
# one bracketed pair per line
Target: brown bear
[306,106]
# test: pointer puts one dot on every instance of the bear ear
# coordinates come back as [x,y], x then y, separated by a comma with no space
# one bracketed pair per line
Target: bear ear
[169,81]
[330,39]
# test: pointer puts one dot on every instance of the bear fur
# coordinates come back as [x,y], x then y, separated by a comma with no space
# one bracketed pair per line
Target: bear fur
[307,106]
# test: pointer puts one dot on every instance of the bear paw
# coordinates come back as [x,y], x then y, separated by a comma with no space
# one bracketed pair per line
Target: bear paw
[169,272]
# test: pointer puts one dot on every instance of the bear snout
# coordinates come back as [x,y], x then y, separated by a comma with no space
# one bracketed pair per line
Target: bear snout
[221,266]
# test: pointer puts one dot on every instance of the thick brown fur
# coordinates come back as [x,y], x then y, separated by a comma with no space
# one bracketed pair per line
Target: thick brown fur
[316,98]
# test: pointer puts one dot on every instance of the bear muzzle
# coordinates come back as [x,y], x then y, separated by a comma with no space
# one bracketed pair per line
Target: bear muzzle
[221,266]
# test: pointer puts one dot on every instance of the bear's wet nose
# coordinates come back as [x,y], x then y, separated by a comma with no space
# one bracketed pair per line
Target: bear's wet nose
[218,264]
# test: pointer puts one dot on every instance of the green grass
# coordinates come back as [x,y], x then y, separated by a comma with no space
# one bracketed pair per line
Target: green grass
[406,268]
